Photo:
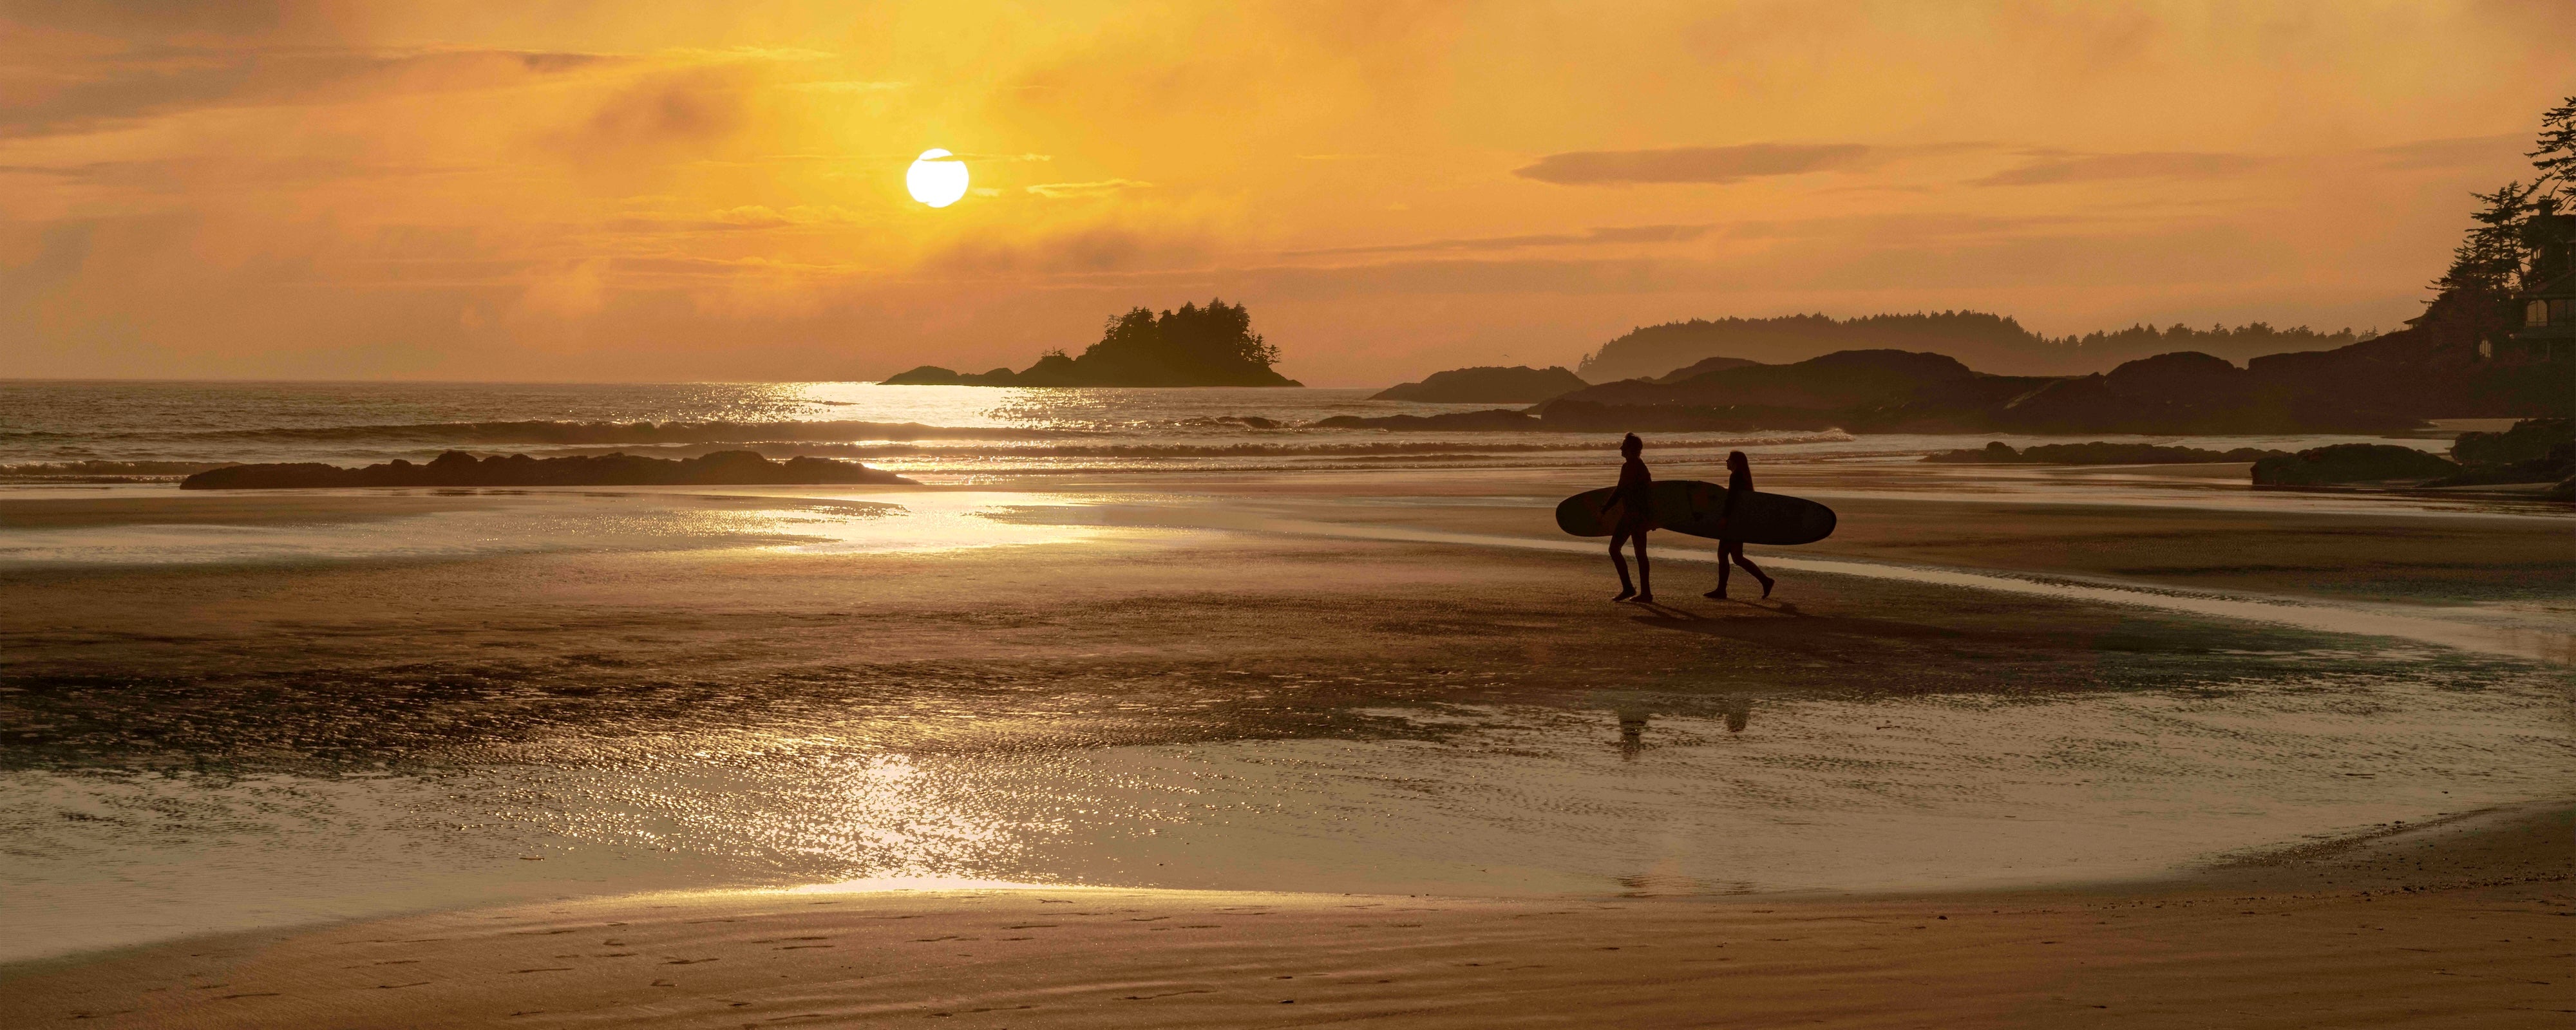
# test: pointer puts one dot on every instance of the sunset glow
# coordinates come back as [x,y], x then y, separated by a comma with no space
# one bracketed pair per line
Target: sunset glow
[587,191]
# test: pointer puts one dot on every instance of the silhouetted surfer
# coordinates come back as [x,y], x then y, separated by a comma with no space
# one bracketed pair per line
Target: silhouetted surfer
[1634,498]
[1739,485]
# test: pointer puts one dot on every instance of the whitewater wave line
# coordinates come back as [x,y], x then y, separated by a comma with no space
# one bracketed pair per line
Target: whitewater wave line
[549,431]
[540,431]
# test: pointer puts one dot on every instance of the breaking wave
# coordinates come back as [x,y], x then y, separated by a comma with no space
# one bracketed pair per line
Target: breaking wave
[551,432]
[106,469]
[1307,447]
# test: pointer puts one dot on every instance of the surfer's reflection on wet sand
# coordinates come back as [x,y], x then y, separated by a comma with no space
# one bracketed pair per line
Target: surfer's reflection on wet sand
[1632,724]
[1632,731]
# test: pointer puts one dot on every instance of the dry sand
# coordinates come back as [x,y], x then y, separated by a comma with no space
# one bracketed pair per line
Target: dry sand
[2462,924]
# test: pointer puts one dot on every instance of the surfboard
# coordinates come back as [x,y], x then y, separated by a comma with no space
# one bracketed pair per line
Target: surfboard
[1691,506]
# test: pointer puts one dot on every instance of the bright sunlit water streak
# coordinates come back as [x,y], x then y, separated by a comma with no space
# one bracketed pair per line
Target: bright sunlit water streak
[534,521]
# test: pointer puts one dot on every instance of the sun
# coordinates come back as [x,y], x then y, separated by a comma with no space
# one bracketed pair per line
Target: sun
[937,178]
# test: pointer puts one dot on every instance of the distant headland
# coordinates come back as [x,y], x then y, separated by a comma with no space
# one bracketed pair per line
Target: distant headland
[1187,346]
[2497,340]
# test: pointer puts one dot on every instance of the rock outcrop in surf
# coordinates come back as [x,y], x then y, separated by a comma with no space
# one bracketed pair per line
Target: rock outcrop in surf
[2352,463]
[457,468]
[2098,452]
[1185,346]
[2539,450]
[2528,440]
[1487,384]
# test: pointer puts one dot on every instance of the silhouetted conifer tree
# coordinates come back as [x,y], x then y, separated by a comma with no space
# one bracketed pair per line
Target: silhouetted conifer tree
[1189,345]
[2519,240]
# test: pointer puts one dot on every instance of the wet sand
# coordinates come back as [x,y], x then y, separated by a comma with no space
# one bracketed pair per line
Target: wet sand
[1234,686]
[2460,924]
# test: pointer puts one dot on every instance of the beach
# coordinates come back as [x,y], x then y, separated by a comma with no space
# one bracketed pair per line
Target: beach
[258,737]
[2458,924]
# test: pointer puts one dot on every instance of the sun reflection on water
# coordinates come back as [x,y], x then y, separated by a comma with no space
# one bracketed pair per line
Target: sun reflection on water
[924,522]
[537,521]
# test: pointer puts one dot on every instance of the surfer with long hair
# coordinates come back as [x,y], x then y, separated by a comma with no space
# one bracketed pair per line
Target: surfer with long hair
[1730,551]
[1633,500]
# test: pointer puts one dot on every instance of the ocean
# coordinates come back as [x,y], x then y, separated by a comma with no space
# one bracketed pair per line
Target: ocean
[939,434]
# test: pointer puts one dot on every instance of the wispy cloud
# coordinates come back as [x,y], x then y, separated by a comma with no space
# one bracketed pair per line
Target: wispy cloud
[751,53]
[2053,169]
[160,80]
[1596,235]
[763,216]
[1695,164]
[848,87]
[1053,190]
[174,175]
[2455,152]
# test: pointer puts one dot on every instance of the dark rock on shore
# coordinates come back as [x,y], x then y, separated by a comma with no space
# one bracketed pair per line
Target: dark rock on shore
[2351,463]
[457,468]
[2560,464]
[2099,453]
[1486,384]
[2528,440]
[2535,450]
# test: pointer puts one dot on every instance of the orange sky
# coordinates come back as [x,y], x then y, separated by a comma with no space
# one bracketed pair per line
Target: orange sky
[549,189]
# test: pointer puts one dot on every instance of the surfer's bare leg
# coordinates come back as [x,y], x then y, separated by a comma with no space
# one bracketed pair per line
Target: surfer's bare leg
[1756,570]
[1626,589]
[1645,579]
[1719,594]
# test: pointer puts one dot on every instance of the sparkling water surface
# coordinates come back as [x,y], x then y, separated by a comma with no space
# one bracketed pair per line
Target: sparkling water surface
[943,432]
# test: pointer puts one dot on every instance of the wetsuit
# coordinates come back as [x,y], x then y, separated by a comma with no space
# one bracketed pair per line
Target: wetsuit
[1730,542]
[1635,496]
[1738,483]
